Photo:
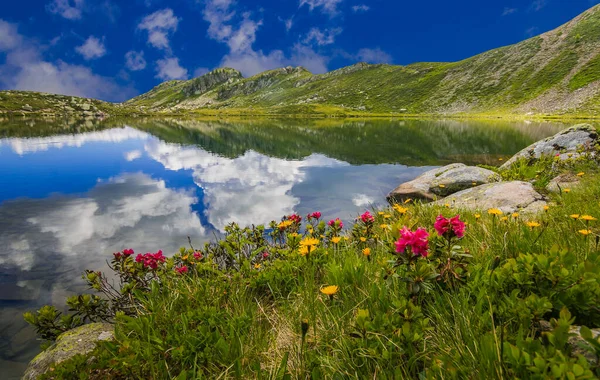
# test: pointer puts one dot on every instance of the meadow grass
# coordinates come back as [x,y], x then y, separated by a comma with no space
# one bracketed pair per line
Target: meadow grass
[255,307]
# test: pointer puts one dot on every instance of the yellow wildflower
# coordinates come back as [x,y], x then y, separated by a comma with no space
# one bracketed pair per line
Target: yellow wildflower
[383,226]
[474,183]
[285,224]
[400,209]
[408,201]
[366,251]
[546,207]
[442,186]
[585,232]
[303,251]
[387,216]
[532,225]
[309,242]
[447,205]
[495,211]
[504,219]
[588,218]
[363,239]
[501,159]
[381,212]
[185,257]
[336,239]
[580,174]
[256,266]
[566,190]
[515,215]
[330,290]
[575,216]
[477,216]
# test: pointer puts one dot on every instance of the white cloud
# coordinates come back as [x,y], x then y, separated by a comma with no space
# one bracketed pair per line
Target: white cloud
[328,6]
[92,48]
[362,200]
[135,60]
[288,23]
[69,9]
[240,34]
[360,8]
[373,56]
[168,69]
[200,71]
[133,155]
[22,146]
[325,37]
[158,25]
[538,5]
[530,32]
[9,36]
[508,11]
[26,69]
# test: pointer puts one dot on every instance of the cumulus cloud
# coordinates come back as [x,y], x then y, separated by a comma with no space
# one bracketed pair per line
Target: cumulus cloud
[238,32]
[508,11]
[92,48]
[69,9]
[327,6]
[373,56]
[360,8]
[135,61]
[322,37]
[159,25]
[9,36]
[169,69]
[25,68]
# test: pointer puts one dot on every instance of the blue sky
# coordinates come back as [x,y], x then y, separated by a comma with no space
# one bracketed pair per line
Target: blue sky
[116,49]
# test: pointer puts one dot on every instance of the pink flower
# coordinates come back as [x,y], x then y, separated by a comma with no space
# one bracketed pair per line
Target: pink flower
[417,241]
[367,218]
[150,260]
[450,227]
[117,255]
[336,223]
[139,258]
[182,269]
[314,215]
[295,218]
[198,255]
[128,252]
[265,255]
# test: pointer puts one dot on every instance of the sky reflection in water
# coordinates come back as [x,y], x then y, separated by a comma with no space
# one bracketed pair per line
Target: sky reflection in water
[68,201]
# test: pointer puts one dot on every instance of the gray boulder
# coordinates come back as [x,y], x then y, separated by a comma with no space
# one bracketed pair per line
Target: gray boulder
[565,143]
[80,340]
[514,196]
[441,182]
[562,182]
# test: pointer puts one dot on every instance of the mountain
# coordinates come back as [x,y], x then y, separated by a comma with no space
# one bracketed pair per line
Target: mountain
[555,73]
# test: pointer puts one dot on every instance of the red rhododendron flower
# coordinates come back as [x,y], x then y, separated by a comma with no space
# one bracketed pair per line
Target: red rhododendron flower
[150,260]
[367,217]
[198,255]
[128,252]
[182,269]
[450,227]
[314,215]
[417,241]
[335,223]
[265,255]
[117,255]
[295,218]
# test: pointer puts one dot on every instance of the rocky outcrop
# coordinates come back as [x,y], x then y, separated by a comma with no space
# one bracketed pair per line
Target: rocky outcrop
[563,182]
[578,345]
[207,82]
[80,340]
[566,144]
[441,182]
[514,196]
[258,82]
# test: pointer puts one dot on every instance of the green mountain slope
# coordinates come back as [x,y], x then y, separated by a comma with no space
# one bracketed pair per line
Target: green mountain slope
[556,72]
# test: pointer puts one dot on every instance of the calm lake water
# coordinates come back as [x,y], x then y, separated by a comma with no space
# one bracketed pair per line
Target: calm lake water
[73,193]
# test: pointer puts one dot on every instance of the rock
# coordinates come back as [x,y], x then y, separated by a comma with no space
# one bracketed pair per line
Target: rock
[562,182]
[579,346]
[27,107]
[515,196]
[461,178]
[442,182]
[565,143]
[86,106]
[80,340]
[418,188]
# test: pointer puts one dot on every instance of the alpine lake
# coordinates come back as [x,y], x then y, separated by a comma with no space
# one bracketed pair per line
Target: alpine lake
[74,192]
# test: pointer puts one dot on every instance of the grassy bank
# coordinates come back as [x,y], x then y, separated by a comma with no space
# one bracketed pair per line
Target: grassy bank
[313,300]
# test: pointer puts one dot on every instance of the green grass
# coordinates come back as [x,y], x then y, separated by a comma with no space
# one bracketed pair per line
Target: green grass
[471,309]
[588,74]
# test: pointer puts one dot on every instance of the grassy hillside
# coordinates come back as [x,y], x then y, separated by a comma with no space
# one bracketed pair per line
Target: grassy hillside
[556,72]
